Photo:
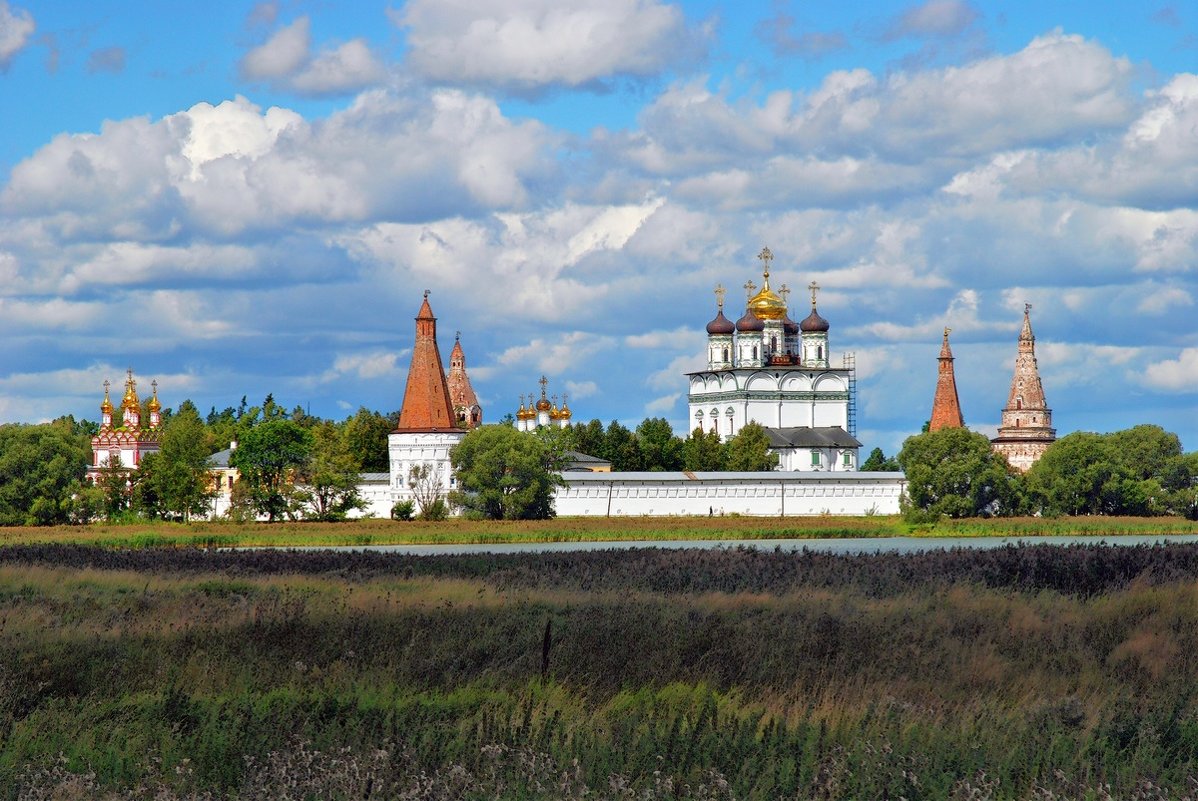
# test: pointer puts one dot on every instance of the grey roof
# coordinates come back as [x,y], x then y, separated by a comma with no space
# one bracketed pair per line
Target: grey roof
[220,458]
[774,475]
[804,437]
[579,456]
[373,478]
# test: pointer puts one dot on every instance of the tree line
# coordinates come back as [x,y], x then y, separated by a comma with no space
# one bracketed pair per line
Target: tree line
[1140,471]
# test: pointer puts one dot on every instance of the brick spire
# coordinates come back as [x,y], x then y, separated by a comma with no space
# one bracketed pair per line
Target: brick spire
[946,408]
[426,404]
[1026,430]
[467,412]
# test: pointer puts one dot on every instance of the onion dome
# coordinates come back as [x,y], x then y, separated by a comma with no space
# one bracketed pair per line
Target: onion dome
[720,325]
[154,405]
[543,405]
[106,406]
[130,398]
[814,323]
[766,304]
[750,322]
[565,413]
[789,326]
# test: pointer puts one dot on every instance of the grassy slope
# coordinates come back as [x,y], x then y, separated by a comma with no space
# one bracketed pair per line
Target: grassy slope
[798,675]
[385,532]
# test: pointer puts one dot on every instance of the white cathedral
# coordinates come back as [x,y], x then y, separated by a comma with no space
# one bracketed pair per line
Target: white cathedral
[769,369]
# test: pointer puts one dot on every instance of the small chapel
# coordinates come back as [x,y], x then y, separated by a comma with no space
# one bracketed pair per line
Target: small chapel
[766,368]
[130,441]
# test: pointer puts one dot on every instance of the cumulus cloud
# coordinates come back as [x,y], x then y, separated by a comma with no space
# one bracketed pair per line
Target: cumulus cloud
[1174,375]
[553,356]
[285,60]
[370,366]
[582,389]
[528,45]
[16,27]
[778,33]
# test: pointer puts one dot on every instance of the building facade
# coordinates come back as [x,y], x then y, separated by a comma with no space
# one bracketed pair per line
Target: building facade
[126,443]
[1026,430]
[768,369]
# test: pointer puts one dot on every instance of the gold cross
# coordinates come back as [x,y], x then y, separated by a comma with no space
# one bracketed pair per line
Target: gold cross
[521,400]
[565,397]
[784,291]
[749,288]
[719,295]
[544,382]
[814,287]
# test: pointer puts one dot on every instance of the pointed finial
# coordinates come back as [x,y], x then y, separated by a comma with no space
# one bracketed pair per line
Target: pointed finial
[154,384]
[107,384]
[426,294]
[946,330]
[719,295]
[766,256]
[1027,307]
[750,287]
[565,398]
[544,382]
[521,400]
[784,291]
[457,336]
[814,287]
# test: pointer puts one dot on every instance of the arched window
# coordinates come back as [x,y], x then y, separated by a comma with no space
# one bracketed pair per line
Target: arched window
[725,354]
[819,353]
[754,353]
[1019,402]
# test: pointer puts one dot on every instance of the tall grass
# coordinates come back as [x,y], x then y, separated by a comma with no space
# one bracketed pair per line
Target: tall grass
[757,675]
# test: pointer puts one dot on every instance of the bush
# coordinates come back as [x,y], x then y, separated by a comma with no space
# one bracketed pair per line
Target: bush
[403,510]
[437,510]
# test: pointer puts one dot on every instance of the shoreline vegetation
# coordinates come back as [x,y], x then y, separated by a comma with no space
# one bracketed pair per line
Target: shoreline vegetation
[150,534]
[1030,672]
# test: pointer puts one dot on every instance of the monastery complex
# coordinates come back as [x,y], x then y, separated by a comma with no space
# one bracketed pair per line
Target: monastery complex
[764,368]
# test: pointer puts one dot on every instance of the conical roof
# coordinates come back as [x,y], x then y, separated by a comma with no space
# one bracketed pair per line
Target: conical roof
[946,407]
[461,393]
[426,402]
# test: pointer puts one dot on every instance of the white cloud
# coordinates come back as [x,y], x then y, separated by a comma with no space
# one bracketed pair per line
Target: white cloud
[366,366]
[16,26]
[1175,375]
[554,356]
[582,389]
[933,18]
[286,61]
[665,403]
[527,45]
[1158,301]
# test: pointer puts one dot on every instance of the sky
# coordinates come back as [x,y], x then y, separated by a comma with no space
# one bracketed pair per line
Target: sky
[237,199]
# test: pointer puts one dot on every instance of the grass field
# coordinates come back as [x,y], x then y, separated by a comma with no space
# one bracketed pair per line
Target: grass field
[1017,673]
[387,532]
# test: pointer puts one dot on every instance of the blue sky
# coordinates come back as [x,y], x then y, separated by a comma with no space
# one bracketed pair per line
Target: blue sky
[250,198]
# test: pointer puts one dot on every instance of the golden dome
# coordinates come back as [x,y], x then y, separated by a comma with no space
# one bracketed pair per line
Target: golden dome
[543,405]
[106,406]
[130,398]
[766,305]
[154,405]
[565,413]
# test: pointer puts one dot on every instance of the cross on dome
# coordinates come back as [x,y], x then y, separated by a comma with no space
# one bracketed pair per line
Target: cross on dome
[750,288]
[766,256]
[814,287]
[784,291]
[719,295]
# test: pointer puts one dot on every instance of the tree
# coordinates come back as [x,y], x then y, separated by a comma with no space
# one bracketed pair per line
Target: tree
[749,451]
[620,447]
[878,462]
[1139,471]
[330,476]
[702,451]
[115,481]
[589,438]
[269,457]
[41,469]
[175,481]
[502,474]
[366,437]
[954,472]
[660,449]
[428,489]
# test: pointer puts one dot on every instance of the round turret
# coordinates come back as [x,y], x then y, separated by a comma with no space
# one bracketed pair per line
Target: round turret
[749,323]
[720,325]
[814,323]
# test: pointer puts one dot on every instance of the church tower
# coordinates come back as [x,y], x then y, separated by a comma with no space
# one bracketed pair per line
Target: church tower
[946,408]
[126,444]
[466,411]
[427,427]
[1026,430]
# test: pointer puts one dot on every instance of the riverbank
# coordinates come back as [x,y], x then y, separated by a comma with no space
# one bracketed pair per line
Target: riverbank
[564,530]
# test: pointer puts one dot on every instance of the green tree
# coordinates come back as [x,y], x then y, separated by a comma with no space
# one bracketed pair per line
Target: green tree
[366,437]
[879,462]
[115,481]
[660,449]
[502,474]
[749,450]
[330,476]
[620,447]
[41,469]
[703,452]
[954,472]
[589,438]
[175,483]
[269,457]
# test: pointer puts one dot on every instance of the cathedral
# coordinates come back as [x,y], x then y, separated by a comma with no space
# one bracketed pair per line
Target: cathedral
[545,412]
[768,369]
[126,444]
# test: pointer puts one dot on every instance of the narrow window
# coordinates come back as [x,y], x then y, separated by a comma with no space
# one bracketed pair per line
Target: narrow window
[815,458]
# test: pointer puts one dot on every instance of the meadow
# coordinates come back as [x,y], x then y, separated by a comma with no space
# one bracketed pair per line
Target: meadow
[1015,673]
[145,534]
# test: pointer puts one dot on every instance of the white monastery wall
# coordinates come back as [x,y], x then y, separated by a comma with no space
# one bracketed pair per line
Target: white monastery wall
[773,494]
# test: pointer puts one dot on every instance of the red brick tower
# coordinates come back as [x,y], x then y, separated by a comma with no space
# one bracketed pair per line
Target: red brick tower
[1026,430]
[426,403]
[467,413]
[946,408]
